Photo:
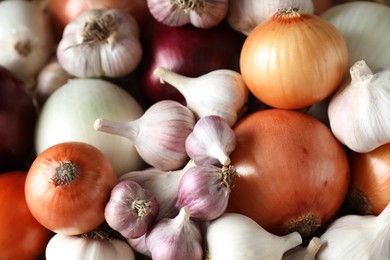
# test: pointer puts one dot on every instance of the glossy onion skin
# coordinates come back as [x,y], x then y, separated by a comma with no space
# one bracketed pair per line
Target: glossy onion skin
[289,166]
[293,62]
[22,237]
[74,208]
[370,176]
[186,50]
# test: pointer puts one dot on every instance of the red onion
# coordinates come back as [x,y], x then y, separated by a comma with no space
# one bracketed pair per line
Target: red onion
[17,121]
[188,51]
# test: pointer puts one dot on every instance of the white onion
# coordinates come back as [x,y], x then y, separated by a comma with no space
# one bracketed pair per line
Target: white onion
[69,114]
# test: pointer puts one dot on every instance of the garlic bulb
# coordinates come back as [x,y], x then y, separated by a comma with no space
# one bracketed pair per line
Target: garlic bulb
[200,13]
[49,79]
[26,41]
[364,26]
[234,236]
[131,209]
[353,237]
[245,15]
[205,190]
[219,92]
[100,43]
[163,184]
[158,135]
[359,111]
[211,141]
[99,247]
[177,238]
[304,253]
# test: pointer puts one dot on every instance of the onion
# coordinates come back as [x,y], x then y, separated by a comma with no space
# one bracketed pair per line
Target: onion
[294,59]
[369,191]
[68,186]
[188,51]
[292,173]
[70,112]
[17,122]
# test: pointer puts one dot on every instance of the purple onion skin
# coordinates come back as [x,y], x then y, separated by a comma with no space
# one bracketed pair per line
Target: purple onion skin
[187,50]
[18,116]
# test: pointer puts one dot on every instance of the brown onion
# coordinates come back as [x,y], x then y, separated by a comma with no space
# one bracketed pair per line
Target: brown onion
[292,174]
[369,191]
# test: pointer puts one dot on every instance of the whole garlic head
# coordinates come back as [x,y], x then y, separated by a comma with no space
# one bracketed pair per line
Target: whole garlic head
[359,111]
[357,237]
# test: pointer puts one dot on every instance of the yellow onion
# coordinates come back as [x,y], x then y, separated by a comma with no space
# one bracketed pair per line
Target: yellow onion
[369,191]
[293,59]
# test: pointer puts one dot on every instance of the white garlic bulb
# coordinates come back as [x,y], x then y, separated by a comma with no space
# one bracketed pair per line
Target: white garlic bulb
[359,111]
[354,237]
[100,43]
[235,236]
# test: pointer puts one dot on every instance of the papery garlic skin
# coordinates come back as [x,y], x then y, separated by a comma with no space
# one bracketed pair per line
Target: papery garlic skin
[211,141]
[65,247]
[49,79]
[245,15]
[100,43]
[234,236]
[359,111]
[200,13]
[364,26]
[163,184]
[220,92]
[353,237]
[308,252]
[205,190]
[26,41]
[131,209]
[158,135]
[177,238]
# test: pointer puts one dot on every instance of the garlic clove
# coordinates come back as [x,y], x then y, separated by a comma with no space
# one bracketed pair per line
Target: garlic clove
[235,236]
[139,245]
[211,141]
[358,112]
[205,190]
[177,238]
[219,92]
[158,135]
[357,237]
[304,253]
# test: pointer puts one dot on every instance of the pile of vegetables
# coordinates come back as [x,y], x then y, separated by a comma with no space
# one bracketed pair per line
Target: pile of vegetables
[171,129]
